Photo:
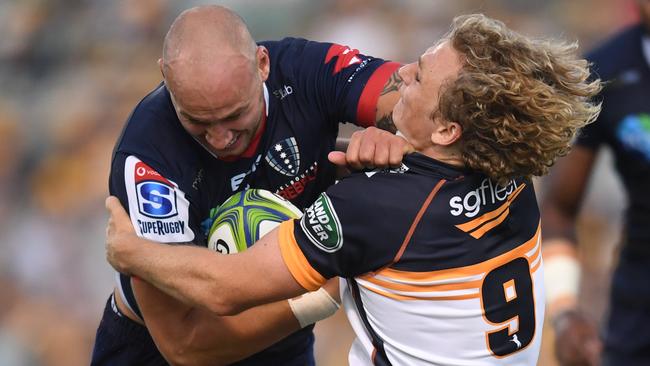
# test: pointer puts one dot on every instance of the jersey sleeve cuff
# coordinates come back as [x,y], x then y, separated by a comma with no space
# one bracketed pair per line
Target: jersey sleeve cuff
[296,261]
[366,108]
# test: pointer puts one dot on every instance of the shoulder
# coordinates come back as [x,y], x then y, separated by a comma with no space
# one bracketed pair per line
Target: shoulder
[380,194]
[295,46]
[153,132]
[619,52]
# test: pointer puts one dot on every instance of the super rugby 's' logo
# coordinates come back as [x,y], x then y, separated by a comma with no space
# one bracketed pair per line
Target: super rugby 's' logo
[156,195]
[158,208]
[284,157]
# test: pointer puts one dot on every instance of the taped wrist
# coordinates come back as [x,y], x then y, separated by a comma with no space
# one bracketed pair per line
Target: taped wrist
[313,306]
[562,273]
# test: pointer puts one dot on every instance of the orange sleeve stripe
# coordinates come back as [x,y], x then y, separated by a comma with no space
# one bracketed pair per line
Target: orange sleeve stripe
[296,261]
[367,105]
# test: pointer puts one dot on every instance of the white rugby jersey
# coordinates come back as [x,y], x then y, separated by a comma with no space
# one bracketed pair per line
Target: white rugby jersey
[442,266]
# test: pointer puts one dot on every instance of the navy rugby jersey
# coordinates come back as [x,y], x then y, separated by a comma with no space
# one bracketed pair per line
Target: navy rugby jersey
[624,122]
[169,183]
[443,266]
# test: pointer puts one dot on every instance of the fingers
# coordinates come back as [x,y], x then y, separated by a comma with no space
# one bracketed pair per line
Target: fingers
[367,154]
[111,203]
[372,148]
[352,153]
[119,218]
[576,339]
[398,149]
[337,158]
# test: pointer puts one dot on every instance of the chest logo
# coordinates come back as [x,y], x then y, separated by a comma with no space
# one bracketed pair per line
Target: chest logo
[322,226]
[284,157]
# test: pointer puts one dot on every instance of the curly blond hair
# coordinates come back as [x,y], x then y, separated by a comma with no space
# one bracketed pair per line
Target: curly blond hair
[520,101]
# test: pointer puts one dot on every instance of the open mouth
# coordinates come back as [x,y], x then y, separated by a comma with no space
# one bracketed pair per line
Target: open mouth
[233,141]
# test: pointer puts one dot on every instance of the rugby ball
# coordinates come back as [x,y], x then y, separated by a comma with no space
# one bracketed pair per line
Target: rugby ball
[247,216]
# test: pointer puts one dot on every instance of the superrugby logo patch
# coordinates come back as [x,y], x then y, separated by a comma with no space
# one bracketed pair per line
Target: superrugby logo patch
[158,208]
[284,157]
[322,226]
[156,195]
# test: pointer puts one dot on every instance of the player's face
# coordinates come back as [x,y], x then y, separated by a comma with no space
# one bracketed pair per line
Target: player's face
[419,92]
[225,116]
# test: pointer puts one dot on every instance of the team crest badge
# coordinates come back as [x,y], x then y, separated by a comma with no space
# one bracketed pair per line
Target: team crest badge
[284,157]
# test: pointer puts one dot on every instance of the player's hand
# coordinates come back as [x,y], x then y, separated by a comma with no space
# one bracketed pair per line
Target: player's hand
[372,148]
[576,339]
[118,229]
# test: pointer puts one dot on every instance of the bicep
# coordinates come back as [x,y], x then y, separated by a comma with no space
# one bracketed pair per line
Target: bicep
[164,317]
[194,336]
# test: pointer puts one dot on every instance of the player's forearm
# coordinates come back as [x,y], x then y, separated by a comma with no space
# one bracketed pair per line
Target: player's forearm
[558,222]
[387,100]
[194,336]
[181,271]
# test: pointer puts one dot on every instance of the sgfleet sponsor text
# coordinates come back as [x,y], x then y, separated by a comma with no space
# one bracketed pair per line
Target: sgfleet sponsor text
[486,193]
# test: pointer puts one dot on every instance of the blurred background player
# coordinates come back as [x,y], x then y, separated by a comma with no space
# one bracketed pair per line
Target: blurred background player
[456,278]
[623,62]
[231,114]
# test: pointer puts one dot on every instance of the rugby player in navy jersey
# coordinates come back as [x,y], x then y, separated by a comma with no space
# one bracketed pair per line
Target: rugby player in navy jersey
[233,114]
[441,256]
[624,126]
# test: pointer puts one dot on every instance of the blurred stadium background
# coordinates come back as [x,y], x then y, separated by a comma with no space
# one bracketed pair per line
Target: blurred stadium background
[70,72]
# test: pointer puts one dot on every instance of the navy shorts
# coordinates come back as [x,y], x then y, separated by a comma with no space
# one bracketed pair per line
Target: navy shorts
[122,342]
[627,331]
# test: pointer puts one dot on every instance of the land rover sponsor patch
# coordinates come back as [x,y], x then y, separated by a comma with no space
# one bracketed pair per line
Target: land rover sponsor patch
[322,226]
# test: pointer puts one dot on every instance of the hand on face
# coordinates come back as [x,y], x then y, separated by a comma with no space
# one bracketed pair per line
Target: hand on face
[576,340]
[119,227]
[372,147]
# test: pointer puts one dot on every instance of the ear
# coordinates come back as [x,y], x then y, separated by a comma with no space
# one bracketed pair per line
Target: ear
[160,66]
[446,133]
[263,62]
